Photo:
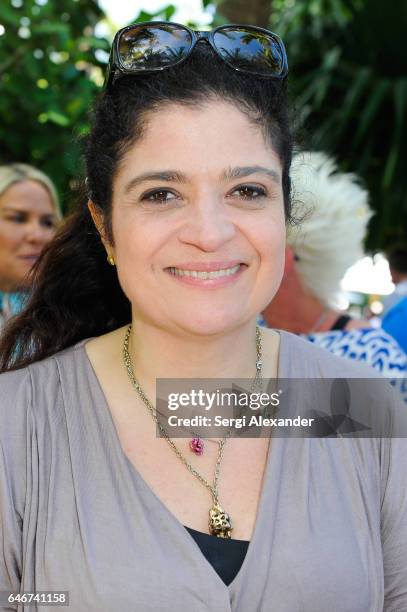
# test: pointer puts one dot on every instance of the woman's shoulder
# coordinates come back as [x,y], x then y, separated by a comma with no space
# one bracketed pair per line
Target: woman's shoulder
[15,394]
[361,393]
[43,367]
[32,388]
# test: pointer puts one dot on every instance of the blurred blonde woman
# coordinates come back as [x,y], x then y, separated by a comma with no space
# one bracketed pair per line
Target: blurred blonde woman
[29,214]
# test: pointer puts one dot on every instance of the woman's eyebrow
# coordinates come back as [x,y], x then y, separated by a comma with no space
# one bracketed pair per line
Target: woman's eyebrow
[241,171]
[162,175]
[12,209]
[25,212]
[173,176]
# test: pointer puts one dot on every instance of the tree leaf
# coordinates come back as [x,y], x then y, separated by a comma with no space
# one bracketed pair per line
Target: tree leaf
[354,94]
[368,114]
[400,106]
[169,12]
[57,118]
[50,28]
[8,16]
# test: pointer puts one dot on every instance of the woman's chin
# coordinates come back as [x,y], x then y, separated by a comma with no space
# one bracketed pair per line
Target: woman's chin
[212,325]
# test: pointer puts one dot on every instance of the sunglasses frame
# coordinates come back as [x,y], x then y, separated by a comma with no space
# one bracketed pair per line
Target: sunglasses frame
[116,68]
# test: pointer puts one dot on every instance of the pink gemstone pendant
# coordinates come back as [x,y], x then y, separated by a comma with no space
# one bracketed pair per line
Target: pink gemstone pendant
[197,446]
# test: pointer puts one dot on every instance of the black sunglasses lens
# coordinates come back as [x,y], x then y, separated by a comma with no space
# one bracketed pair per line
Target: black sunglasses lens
[250,51]
[153,47]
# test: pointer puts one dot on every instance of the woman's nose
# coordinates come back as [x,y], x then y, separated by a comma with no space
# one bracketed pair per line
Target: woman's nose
[208,227]
[36,233]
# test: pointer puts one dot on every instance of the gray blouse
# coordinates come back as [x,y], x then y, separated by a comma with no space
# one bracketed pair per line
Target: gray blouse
[330,534]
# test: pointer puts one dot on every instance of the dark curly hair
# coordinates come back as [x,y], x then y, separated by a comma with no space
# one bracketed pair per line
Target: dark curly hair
[76,294]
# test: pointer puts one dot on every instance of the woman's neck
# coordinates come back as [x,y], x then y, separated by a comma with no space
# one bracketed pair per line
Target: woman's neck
[159,353]
[300,314]
[8,287]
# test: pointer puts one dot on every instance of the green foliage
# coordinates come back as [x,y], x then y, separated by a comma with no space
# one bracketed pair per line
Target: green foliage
[49,74]
[164,14]
[347,61]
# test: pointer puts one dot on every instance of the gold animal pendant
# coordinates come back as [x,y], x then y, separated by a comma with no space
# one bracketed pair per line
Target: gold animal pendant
[220,523]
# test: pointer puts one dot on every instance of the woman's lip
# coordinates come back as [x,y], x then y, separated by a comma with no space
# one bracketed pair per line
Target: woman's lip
[206,266]
[208,283]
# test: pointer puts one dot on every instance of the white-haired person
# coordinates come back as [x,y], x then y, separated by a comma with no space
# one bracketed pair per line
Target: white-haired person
[29,214]
[328,241]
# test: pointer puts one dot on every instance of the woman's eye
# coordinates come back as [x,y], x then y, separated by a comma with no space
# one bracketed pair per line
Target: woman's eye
[17,219]
[48,223]
[160,196]
[249,192]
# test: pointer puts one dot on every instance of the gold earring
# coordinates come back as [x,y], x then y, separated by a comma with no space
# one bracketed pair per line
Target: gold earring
[110,260]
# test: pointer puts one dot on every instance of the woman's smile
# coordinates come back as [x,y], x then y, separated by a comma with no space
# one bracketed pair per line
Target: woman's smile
[207,274]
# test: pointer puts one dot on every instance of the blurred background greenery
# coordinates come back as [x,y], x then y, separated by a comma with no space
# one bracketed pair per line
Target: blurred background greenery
[348,78]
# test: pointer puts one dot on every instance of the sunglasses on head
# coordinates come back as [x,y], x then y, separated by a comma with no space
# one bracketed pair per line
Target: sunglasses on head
[156,45]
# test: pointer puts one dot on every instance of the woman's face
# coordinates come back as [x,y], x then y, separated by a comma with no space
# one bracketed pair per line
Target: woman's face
[27,223]
[198,220]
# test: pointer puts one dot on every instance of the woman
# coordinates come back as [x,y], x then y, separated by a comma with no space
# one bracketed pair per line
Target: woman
[320,250]
[29,212]
[187,173]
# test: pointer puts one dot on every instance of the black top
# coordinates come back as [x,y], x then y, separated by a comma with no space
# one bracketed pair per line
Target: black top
[341,322]
[225,556]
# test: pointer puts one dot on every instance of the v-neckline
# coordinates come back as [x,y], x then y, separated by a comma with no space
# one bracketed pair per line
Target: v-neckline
[104,411]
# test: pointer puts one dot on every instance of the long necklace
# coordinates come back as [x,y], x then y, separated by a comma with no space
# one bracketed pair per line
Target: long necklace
[220,523]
